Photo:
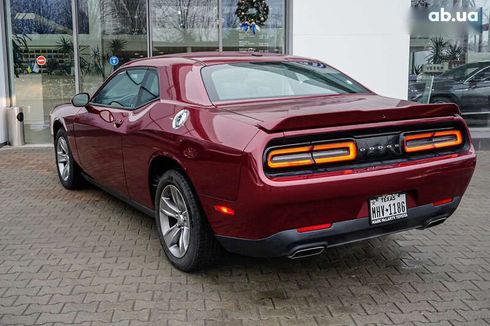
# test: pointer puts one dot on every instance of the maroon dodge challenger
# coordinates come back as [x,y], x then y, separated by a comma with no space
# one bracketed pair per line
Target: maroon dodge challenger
[263,155]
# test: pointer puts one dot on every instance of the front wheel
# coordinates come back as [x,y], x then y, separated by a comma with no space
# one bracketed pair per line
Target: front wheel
[185,234]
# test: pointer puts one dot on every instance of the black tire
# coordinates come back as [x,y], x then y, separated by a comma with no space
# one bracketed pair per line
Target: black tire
[203,250]
[73,179]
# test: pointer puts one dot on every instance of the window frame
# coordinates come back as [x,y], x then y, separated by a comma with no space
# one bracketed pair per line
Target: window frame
[116,73]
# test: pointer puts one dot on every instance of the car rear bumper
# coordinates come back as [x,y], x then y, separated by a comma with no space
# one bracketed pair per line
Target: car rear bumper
[293,244]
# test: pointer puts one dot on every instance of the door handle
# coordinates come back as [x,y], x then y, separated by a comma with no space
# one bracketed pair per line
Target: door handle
[118,123]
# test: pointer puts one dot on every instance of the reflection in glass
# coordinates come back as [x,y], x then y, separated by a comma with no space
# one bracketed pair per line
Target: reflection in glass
[268,38]
[253,80]
[454,67]
[184,26]
[41,28]
[111,33]
[109,28]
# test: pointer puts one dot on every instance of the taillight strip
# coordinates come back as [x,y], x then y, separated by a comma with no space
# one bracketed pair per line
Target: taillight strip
[432,140]
[336,152]
[314,154]
[289,157]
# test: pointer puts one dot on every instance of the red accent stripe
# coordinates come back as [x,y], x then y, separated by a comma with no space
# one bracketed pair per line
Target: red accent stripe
[442,202]
[314,228]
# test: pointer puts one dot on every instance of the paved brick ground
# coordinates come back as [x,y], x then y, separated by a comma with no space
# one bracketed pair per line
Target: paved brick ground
[86,258]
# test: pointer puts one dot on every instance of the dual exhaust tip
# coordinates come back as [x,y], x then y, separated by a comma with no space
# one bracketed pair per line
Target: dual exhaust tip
[307,252]
[318,250]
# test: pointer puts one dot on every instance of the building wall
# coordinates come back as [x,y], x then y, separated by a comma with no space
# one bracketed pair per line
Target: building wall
[3,79]
[368,40]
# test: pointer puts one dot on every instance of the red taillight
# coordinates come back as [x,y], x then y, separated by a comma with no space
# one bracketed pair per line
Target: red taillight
[314,227]
[432,140]
[442,201]
[224,210]
[336,152]
[289,157]
[312,154]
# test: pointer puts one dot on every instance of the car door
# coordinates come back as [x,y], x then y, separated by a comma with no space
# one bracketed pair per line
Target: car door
[100,127]
[475,99]
[139,126]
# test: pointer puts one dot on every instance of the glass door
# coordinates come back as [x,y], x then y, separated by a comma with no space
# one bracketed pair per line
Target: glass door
[41,59]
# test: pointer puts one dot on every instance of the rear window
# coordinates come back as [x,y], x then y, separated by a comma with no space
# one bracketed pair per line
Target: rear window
[255,80]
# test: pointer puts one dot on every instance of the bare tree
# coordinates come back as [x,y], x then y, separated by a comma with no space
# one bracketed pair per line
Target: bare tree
[124,16]
[186,19]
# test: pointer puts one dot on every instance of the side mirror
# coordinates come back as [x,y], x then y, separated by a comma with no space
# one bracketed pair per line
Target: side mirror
[80,99]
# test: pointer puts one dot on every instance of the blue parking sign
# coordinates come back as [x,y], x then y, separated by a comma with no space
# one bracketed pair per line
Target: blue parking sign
[114,61]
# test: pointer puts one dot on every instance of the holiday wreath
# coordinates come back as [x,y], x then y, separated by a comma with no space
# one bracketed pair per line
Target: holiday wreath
[252,14]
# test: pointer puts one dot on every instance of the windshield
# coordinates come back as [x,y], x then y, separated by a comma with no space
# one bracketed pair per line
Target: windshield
[464,72]
[255,80]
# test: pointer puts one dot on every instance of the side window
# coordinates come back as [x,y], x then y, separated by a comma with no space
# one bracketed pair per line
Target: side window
[150,90]
[122,90]
[482,76]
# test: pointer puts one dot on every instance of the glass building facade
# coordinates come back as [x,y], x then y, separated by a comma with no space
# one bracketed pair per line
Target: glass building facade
[450,58]
[81,38]
[78,38]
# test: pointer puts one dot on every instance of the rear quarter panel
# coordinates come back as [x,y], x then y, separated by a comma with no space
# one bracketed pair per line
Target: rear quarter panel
[209,147]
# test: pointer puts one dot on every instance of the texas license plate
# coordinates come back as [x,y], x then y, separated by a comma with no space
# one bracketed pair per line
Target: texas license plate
[387,208]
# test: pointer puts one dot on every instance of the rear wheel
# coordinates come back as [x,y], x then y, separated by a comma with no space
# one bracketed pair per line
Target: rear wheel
[441,99]
[68,170]
[185,235]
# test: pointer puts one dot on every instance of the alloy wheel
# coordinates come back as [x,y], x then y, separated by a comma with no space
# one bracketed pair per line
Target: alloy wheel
[174,221]
[63,158]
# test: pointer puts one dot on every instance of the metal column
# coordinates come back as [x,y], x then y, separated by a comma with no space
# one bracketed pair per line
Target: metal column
[149,30]
[220,25]
[76,48]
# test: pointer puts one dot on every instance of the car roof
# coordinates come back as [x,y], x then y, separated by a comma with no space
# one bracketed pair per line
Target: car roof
[207,58]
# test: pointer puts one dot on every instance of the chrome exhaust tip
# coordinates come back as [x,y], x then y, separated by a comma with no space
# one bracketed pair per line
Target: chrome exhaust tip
[435,222]
[307,252]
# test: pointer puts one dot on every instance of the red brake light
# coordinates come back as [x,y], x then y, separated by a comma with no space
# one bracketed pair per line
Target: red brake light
[432,140]
[289,157]
[312,154]
[335,152]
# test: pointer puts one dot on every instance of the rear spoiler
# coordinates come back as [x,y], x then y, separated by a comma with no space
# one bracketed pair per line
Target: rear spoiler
[352,117]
